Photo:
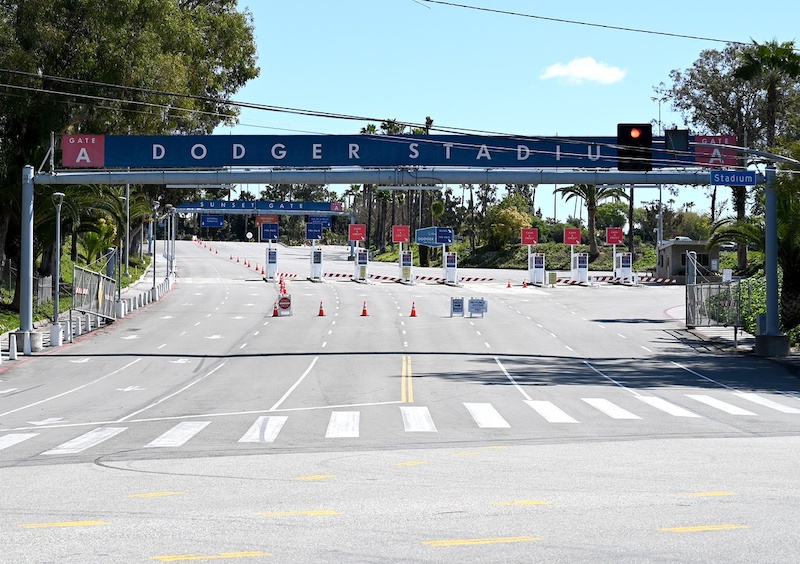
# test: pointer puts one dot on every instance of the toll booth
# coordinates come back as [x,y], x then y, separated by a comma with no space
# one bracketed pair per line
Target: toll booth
[316,264]
[623,271]
[580,268]
[406,261]
[272,264]
[362,265]
[536,272]
[450,268]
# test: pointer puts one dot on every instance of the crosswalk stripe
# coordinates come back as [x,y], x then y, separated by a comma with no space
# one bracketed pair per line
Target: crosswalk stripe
[417,420]
[87,440]
[343,424]
[611,409]
[550,412]
[719,404]
[265,429]
[179,434]
[13,439]
[766,402]
[667,407]
[486,416]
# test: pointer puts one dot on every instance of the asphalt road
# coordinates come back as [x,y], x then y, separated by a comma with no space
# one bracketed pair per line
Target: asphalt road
[568,424]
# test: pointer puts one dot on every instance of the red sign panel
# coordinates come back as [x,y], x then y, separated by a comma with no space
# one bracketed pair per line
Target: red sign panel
[83,151]
[401,234]
[572,236]
[266,218]
[614,236]
[357,232]
[530,236]
[709,153]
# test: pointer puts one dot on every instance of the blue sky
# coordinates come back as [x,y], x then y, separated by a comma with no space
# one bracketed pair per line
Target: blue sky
[485,71]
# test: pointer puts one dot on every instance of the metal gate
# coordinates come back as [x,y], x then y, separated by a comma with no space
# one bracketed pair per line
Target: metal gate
[714,304]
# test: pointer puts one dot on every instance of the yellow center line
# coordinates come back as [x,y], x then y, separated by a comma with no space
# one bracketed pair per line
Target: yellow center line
[315,477]
[710,494]
[220,556]
[155,494]
[64,524]
[463,542]
[312,512]
[466,453]
[406,384]
[701,528]
[523,502]
[410,463]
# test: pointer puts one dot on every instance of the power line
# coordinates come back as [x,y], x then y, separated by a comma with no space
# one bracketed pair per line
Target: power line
[577,22]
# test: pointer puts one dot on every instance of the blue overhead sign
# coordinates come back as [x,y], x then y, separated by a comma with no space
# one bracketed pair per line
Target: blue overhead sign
[315,151]
[212,220]
[733,178]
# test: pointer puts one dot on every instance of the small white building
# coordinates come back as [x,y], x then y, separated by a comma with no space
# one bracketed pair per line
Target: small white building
[671,262]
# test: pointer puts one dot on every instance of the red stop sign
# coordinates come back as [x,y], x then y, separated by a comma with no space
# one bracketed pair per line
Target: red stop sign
[285,302]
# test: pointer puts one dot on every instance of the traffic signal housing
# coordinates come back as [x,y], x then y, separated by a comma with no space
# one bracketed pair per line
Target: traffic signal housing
[635,146]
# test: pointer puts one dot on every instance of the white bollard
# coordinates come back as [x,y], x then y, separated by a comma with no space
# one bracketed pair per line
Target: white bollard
[12,346]
[88,322]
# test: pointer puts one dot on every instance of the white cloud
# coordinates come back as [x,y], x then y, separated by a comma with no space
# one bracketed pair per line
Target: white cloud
[584,69]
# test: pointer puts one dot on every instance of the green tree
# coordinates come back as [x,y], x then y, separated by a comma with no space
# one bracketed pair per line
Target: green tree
[112,67]
[592,196]
[776,67]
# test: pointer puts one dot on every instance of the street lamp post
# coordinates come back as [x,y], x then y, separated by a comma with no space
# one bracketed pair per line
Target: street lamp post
[168,238]
[56,337]
[155,233]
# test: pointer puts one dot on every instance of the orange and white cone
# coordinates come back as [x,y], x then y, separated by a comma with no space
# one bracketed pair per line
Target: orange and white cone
[509,283]
[413,310]
[321,311]
[275,310]
[364,310]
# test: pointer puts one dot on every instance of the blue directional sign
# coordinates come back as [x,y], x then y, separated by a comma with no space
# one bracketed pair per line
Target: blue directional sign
[313,231]
[211,220]
[426,236]
[323,220]
[733,178]
[444,235]
[269,231]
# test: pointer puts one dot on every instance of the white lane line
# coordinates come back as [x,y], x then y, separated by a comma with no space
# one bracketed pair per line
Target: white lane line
[15,438]
[511,379]
[610,379]
[343,424]
[667,407]
[621,335]
[178,435]
[486,416]
[719,404]
[299,380]
[162,346]
[324,344]
[117,371]
[417,420]
[173,394]
[550,412]
[87,440]
[265,429]
[701,376]
[488,346]
[569,348]
[645,348]
[243,345]
[8,390]
[553,335]
[766,402]
[611,409]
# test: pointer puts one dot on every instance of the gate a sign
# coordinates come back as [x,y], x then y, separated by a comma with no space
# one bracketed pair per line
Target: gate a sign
[530,236]
[614,236]
[83,151]
[357,232]
[572,236]
[708,152]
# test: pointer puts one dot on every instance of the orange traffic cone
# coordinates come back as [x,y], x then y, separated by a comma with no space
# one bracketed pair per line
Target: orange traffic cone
[413,310]
[321,311]
[524,283]
[364,310]
[237,259]
[262,270]
[275,310]
[509,283]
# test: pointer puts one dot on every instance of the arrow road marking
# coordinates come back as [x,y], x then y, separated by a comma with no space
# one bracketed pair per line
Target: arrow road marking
[48,421]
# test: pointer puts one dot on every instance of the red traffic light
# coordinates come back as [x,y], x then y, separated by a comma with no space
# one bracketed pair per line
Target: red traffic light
[635,132]
[634,146]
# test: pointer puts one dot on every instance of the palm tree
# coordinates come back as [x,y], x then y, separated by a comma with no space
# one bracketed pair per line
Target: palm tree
[592,196]
[772,63]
